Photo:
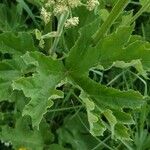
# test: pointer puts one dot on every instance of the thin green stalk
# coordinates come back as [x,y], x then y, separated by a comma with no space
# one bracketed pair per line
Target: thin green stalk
[46,37]
[114,79]
[142,80]
[125,80]
[60,27]
[100,143]
[138,14]
[65,109]
[123,141]
[28,10]
[143,116]
[118,8]
[143,31]
[127,145]
[135,3]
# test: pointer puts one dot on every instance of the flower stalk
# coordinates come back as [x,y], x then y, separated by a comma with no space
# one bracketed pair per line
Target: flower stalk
[60,27]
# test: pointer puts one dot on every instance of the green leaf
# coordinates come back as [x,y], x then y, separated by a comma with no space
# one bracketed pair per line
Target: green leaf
[111,119]
[16,44]
[113,43]
[86,17]
[104,13]
[40,87]
[123,117]
[123,50]
[109,97]
[107,101]
[5,89]
[9,70]
[21,136]
[137,64]
[13,69]
[82,52]
[81,140]
[97,127]
[121,132]
[11,18]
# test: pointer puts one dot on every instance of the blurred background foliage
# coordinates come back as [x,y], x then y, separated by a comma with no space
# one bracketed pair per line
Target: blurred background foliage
[67,128]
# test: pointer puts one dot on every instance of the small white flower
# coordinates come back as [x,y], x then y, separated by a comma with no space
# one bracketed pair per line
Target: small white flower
[91,4]
[71,22]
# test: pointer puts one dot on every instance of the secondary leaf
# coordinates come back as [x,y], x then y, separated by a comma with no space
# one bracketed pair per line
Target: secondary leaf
[9,70]
[21,136]
[40,87]
[123,49]
[108,101]
[11,18]
[81,140]
[82,56]
[13,69]
[123,117]
[16,44]
[111,119]
[109,97]
[121,132]
[96,124]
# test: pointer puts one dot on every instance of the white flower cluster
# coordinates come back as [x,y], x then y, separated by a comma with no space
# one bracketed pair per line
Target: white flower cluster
[92,4]
[62,5]
[57,7]
[74,21]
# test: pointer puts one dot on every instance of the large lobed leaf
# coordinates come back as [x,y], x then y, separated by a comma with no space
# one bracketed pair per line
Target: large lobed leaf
[40,87]
[114,47]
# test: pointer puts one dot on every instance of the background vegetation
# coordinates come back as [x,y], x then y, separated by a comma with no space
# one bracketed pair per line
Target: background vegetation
[66,125]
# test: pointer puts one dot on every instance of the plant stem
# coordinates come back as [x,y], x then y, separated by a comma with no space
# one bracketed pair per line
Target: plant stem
[65,109]
[48,41]
[60,27]
[137,15]
[142,80]
[127,145]
[118,8]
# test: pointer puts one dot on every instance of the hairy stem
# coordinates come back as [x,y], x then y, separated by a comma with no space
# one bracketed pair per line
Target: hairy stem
[60,27]
[118,8]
